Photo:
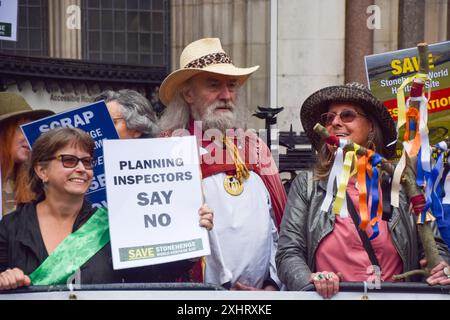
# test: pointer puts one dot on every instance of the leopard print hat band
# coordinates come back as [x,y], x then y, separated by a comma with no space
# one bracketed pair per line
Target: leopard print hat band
[209,59]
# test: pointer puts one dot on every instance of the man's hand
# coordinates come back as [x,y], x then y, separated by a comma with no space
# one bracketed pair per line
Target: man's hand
[13,278]
[206,217]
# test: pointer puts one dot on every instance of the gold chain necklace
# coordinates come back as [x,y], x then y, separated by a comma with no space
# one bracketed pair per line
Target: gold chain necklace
[234,184]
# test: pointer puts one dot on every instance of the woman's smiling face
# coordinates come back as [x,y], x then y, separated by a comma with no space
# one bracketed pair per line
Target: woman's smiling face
[350,121]
[61,179]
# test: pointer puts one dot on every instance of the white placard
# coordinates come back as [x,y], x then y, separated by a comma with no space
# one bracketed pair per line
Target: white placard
[153,188]
[8,20]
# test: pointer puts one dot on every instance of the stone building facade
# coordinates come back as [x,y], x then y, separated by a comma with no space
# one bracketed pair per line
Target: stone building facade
[318,43]
[300,45]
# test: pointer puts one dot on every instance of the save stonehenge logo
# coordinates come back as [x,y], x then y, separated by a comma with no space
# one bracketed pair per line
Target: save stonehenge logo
[5,29]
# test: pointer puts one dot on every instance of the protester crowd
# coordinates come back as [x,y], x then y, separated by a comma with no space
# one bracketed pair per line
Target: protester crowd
[260,238]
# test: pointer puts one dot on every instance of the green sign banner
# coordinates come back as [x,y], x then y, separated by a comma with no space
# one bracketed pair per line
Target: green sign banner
[160,250]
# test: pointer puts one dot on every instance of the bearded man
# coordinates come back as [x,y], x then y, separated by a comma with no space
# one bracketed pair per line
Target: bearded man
[240,180]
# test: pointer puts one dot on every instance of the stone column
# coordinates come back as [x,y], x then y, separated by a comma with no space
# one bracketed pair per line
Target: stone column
[243,28]
[64,35]
[411,23]
[435,24]
[311,41]
[385,39]
[358,40]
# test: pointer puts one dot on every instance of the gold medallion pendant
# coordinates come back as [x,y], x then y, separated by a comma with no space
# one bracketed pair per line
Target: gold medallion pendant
[233,186]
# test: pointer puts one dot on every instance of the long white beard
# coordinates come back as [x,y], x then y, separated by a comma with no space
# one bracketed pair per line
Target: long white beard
[221,121]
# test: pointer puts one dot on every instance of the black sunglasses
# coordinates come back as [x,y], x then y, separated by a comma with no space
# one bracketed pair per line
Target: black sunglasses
[346,116]
[71,161]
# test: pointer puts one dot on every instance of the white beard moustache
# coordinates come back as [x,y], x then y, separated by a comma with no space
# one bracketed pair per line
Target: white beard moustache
[222,121]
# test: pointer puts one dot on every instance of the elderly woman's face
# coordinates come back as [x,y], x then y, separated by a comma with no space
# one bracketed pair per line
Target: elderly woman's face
[350,121]
[123,131]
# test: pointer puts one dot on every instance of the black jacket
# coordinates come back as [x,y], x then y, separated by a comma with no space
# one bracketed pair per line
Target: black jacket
[22,246]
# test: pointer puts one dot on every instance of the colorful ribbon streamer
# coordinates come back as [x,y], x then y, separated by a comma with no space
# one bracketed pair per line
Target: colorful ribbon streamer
[401,98]
[337,167]
[343,181]
[376,209]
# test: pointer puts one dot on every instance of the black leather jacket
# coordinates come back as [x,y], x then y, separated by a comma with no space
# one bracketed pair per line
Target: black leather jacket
[304,226]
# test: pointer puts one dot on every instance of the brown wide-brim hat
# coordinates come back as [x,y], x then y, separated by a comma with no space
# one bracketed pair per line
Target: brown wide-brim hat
[13,106]
[204,55]
[317,104]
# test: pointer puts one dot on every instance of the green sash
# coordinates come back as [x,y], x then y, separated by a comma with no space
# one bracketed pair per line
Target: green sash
[74,251]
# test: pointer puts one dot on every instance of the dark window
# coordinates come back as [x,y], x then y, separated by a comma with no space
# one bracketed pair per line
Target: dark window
[126,32]
[32,30]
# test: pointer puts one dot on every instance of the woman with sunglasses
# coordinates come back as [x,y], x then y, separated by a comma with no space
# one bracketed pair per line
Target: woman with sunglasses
[322,248]
[60,173]
[59,229]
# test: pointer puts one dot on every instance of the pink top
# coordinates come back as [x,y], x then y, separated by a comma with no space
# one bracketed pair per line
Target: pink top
[342,249]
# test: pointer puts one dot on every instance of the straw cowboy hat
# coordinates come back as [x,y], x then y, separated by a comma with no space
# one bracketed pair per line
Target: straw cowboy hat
[13,106]
[204,55]
[317,104]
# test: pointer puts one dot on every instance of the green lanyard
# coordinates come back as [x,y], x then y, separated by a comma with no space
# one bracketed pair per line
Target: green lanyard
[74,251]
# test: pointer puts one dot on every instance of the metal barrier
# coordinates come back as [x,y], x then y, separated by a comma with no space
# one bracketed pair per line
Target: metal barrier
[391,287]
[180,286]
[206,292]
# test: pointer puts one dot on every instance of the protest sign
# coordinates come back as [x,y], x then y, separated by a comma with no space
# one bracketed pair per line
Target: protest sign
[8,20]
[154,194]
[95,120]
[387,71]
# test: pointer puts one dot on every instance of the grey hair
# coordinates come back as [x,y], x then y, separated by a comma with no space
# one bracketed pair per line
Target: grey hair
[136,110]
[177,113]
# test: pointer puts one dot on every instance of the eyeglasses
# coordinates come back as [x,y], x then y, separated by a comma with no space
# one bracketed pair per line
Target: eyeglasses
[346,116]
[71,161]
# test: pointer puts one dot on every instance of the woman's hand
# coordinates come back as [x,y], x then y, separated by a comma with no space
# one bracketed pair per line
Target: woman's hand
[206,217]
[326,283]
[440,274]
[13,278]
